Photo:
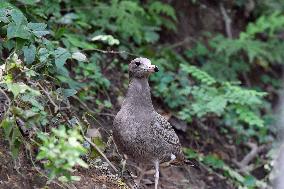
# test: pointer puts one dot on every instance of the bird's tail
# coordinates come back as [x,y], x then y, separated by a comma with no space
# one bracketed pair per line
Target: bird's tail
[184,161]
[192,163]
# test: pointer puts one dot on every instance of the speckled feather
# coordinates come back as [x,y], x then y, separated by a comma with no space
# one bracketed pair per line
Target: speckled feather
[139,131]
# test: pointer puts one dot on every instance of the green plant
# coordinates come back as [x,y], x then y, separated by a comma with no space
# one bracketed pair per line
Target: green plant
[241,181]
[209,96]
[61,150]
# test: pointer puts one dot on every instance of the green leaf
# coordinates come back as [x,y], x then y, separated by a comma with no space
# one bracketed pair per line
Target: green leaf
[18,17]
[62,148]
[190,154]
[29,2]
[5,4]
[43,55]
[15,135]
[4,15]
[15,88]
[15,30]
[79,41]
[213,161]
[160,7]
[250,181]
[151,36]
[38,29]
[109,39]
[18,88]
[15,148]
[198,74]
[29,53]
[41,155]
[101,145]
[68,92]
[79,56]
[12,134]
[61,55]
[7,125]
[68,18]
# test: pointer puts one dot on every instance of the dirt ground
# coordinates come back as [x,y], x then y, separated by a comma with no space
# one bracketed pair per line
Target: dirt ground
[25,173]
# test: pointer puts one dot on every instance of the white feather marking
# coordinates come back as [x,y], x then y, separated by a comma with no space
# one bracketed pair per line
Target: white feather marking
[173,157]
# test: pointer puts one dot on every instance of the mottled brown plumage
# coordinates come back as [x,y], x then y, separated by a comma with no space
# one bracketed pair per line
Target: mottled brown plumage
[139,131]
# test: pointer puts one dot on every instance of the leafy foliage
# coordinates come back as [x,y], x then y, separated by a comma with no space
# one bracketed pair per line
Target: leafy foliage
[62,151]
[214,162]
[210,96]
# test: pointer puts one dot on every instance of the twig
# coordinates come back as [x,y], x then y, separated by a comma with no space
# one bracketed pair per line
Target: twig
[255,150]
[6,96]
[101,126]
[101,153]
[180,43]
[249,7]
[106,114]
[111,52]
[56,108]
[227,21]
[89,110]
[83,104]
[246,79]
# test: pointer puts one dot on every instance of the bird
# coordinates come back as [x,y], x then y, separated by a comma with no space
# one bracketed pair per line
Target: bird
[139,132]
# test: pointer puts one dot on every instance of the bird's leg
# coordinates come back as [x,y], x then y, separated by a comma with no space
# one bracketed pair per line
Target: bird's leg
[142,170]
[123,163]
[156,174]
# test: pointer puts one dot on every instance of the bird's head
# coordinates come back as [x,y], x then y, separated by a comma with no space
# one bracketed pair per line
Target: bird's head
[141,67]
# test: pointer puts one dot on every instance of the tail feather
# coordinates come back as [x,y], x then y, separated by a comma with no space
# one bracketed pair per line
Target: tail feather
[191,163]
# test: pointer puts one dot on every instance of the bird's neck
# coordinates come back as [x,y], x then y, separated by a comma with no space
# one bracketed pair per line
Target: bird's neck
[138,94]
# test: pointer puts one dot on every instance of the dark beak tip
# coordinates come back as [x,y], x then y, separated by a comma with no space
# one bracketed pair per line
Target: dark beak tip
[156,69]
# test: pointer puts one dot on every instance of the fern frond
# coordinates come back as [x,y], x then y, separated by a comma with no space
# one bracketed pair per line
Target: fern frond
[265,24]
[198,74]
[162,8]
[248,116]
[239,95]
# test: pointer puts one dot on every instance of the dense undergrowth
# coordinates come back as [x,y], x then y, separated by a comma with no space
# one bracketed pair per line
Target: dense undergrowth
[59,56]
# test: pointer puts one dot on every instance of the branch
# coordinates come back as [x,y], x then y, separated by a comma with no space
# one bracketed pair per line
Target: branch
[111,52]
[255,150]
[181,43]
[56,108]
[101,153]
[227,21]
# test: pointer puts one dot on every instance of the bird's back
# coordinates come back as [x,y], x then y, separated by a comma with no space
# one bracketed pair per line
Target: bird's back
[145,138]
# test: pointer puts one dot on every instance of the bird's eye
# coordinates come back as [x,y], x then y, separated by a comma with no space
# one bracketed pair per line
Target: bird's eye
[137,63]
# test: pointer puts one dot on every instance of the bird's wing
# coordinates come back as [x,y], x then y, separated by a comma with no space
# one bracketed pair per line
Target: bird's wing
[162,128]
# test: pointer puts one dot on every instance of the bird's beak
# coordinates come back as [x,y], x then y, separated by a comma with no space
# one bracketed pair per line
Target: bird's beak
[152,68]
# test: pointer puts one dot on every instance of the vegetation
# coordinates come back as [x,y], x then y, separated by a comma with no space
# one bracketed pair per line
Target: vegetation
[64,63]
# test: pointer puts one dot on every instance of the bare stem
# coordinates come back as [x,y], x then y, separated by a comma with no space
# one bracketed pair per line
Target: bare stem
[56,108]
[227,21]
[101,153]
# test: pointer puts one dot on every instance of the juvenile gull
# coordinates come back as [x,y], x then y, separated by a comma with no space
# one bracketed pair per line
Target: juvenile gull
[139,132]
